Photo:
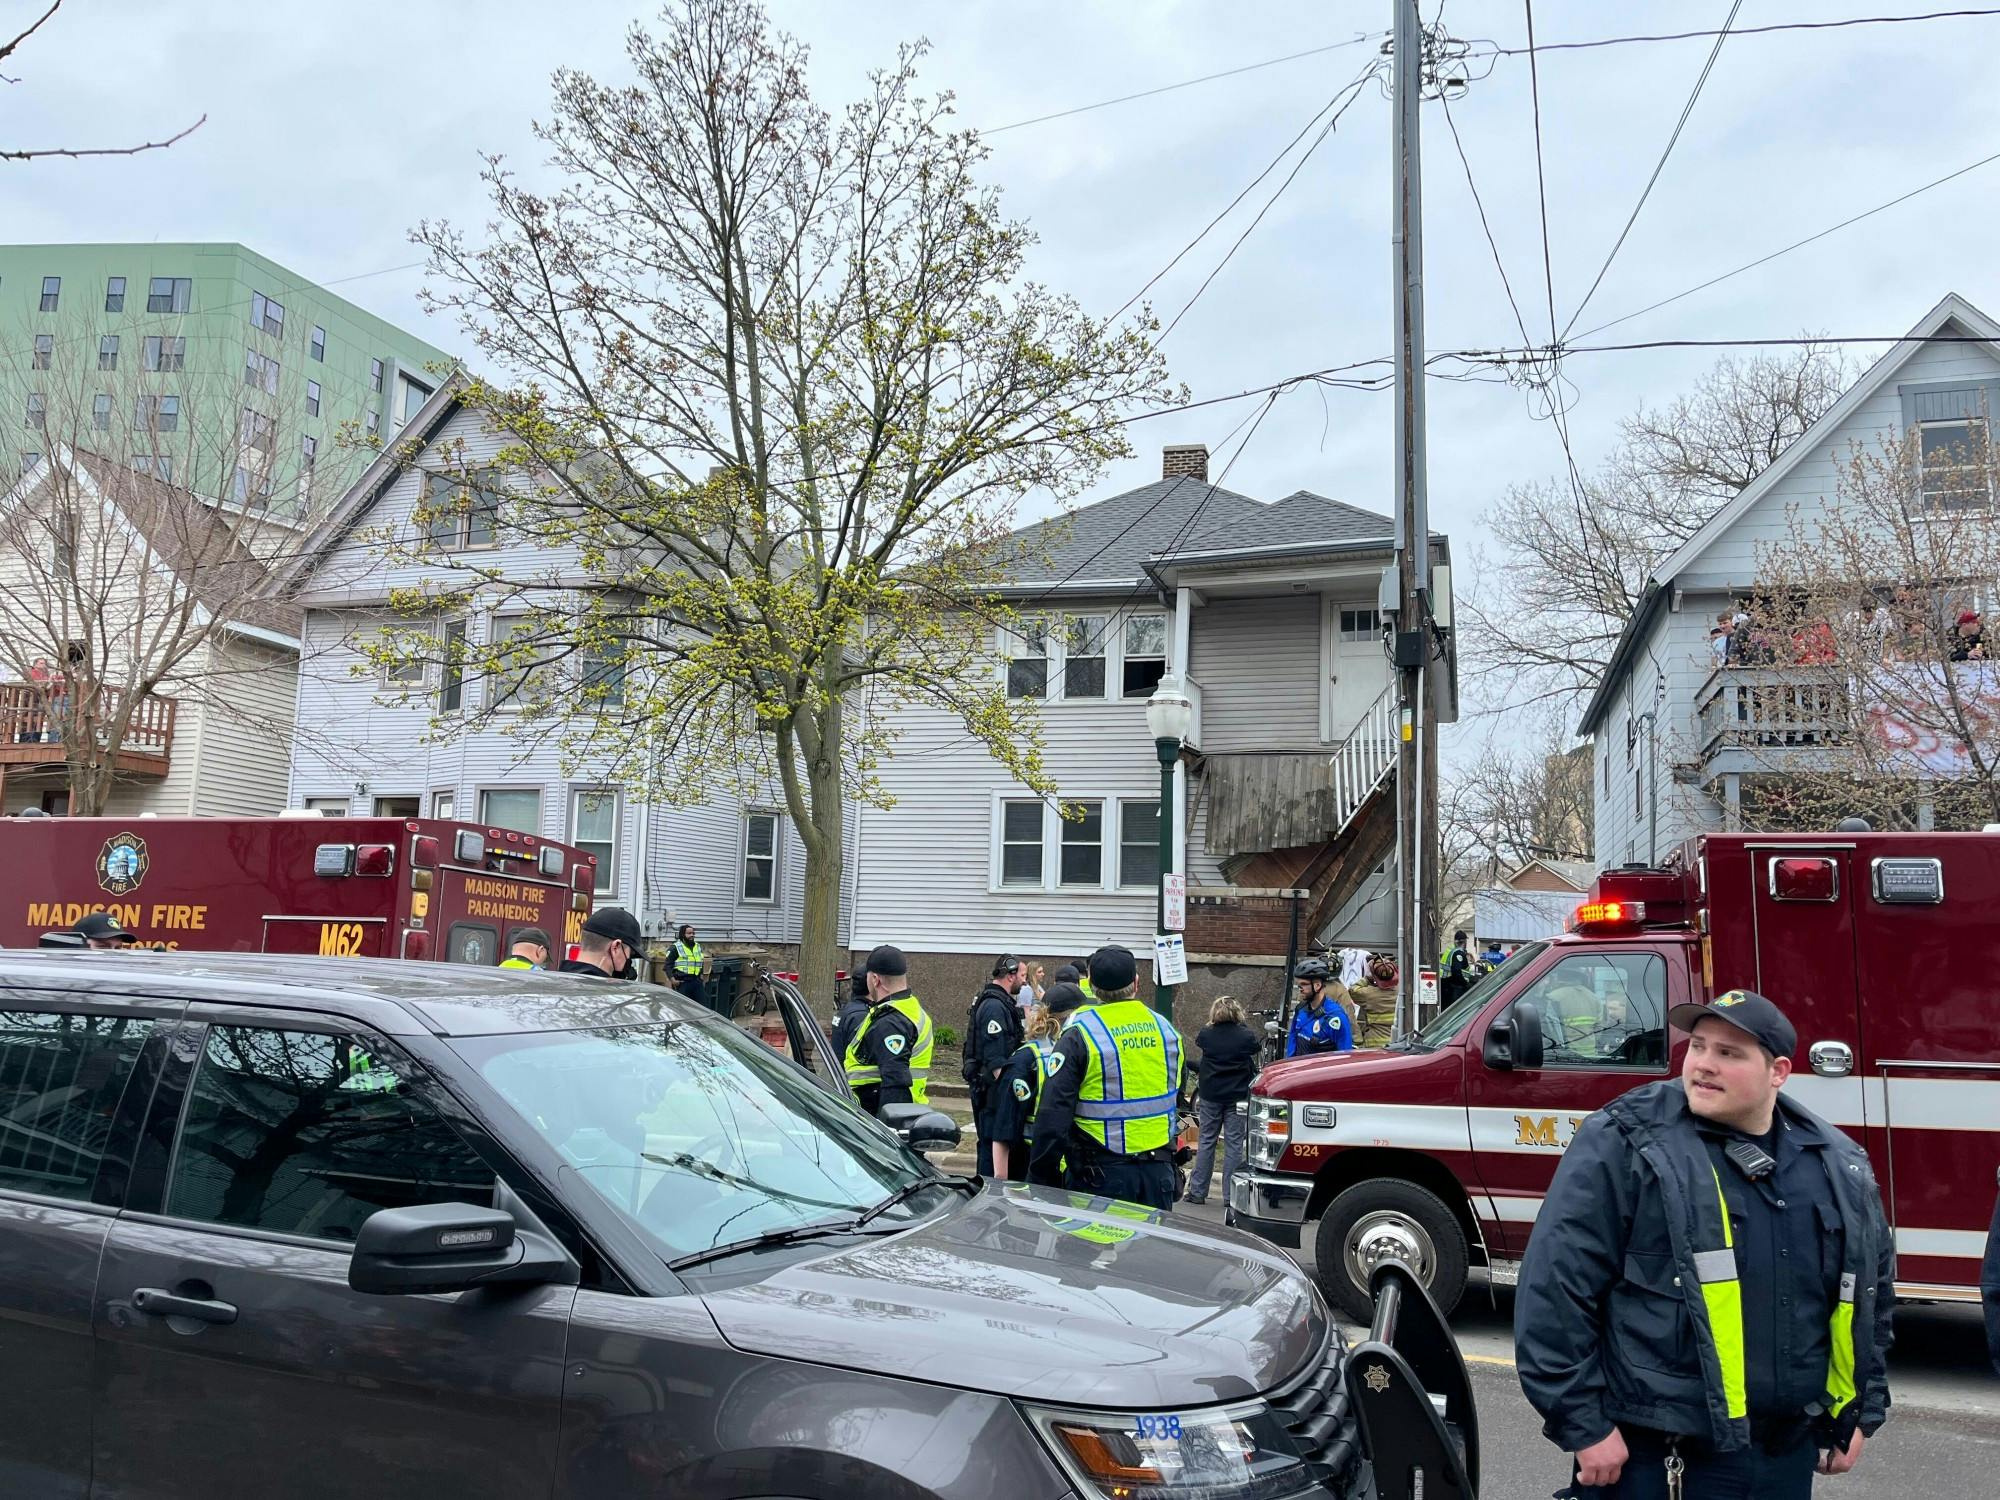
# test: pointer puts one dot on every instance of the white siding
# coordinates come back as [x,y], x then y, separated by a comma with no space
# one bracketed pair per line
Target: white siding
[243,759]
[1258,663]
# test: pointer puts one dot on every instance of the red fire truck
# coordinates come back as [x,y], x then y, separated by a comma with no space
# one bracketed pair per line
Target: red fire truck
[415,888]
[1883,949]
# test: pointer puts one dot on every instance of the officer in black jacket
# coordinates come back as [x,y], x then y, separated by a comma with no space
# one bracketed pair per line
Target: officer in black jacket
[846,1023]
[993,1034]
[1704,1306]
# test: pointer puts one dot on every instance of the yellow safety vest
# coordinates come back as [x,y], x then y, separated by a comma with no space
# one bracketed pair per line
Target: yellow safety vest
[860,1073]
[1126,1103]
[515,963]
[687,957]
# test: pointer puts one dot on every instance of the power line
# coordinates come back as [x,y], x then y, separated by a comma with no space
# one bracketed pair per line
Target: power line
[1795,245]
[1673,140]
[1491,244]
[1541,176]
[1188,83]
[1685,36]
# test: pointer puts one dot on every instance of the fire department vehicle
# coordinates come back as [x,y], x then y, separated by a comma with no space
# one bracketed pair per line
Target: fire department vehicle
[414,888]
[1882,949]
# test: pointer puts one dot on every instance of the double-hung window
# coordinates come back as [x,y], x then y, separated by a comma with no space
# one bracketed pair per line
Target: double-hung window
[1145,660]
[114,294]
[459,515]
[1952,429]
[1021,843]
[1083,655]
[1042,845]
[593,828]
[760,856]
[107,352]
[1086,657]
[267,315]
[1139,842]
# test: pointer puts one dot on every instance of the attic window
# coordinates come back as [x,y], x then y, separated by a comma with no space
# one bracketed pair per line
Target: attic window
[1955,459]
[459,516]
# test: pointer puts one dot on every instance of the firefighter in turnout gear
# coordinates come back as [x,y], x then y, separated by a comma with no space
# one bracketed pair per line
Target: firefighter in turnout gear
[1704,1305]
[891,1050]
[1105,1125]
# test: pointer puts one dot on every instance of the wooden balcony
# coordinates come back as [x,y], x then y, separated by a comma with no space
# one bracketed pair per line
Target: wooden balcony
[1770,709]
[32,715]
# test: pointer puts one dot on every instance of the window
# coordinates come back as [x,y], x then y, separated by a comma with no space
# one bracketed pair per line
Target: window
[169,294]
[604,675]
[1139,843]
[760,856]
[45,344]
[62,541]
[156,413]
[373,423]
[415,394]
[1021,843]
[260,373]
[1360,625]
[397,807]
[444,804]
[60,1080]
[159,465]
[251,485]
[30,460]
[374,374]
[402,672]
[1028,660]
[51,292]
[312,398]
[459,515]
[1145,655]
[308,1133]
[308,452]
[37,411]
[1604,1010]
[1083,660]
[1082,844]
[502,807]
[517,682]
[1639,791]
[165,353]
[318,346]
[451,671]
[107,352]
[1955,458]
[328,807]
[114,294]
[593,828]
[100,412]
[259,432]
[267,315]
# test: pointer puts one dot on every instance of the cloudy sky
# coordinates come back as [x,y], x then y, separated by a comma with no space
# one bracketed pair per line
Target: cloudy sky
[332,129]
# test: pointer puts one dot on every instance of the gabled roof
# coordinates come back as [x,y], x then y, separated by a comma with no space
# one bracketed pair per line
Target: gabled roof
[1952,313]
[1578,874]
[1301,516]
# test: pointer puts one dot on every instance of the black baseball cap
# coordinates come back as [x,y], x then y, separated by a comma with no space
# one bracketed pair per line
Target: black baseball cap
[533,935]
[1068,974]
[1062,997]
[616,923]
[1006,964]
[1746,1010]
[1113,968]
[99,925]
[887,959]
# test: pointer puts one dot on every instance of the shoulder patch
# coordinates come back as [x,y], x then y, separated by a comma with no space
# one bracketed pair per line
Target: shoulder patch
[993,1028]
[894,1042]
[1055,1063]
[1022,1088]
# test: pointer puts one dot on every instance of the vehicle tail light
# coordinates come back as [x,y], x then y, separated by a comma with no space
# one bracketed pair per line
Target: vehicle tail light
[584,876]
[374,859]
[549,861]
[333,861]
[575,952]
[469,848]
[1804,879]
[424,852]
[416,943]
[1600,915]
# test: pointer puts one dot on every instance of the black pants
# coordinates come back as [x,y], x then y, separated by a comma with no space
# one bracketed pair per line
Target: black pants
[691,986]
[986,1122]
[1747,1474]
[1147,1182]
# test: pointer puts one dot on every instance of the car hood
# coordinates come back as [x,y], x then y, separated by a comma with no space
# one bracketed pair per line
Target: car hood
[1043,1295]
[1366,1075]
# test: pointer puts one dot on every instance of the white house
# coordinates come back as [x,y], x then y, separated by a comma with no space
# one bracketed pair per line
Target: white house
[1269,612]
[1679,747]
[734,870]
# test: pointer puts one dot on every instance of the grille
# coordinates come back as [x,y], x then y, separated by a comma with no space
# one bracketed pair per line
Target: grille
[1316,1413]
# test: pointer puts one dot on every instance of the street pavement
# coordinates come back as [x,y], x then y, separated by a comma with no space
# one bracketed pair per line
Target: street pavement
[1942,1441]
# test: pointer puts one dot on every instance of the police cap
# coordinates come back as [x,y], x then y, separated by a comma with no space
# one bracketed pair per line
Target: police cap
[1746,1010]
[1112,968]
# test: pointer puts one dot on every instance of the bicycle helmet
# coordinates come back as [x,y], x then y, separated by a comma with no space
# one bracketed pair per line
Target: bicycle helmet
[1312,968]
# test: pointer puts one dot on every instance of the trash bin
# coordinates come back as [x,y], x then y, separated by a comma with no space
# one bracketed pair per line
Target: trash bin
[725,985]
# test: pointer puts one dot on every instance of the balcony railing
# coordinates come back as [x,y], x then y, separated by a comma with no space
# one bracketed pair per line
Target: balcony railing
[34,716]
[1763,708]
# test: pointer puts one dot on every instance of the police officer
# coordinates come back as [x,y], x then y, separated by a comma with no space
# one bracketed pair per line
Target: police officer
[1704,1306]
[1105,1125]
[889,1060]
[992,1033]
[687,963]
[1455,970]
[1024,1078]
[610,940]
[529,950]
[99,929]
[1321,1023]
[847,1020]
[1490,957]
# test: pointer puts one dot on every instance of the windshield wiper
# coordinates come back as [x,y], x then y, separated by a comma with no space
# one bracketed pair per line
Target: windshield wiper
[714,1173]
[902,1194]
[796,1234]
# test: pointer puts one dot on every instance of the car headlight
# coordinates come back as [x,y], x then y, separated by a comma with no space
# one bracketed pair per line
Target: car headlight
[1270,1130]
[1242,1452]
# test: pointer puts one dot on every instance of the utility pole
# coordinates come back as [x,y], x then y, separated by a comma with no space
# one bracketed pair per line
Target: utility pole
[1415,871]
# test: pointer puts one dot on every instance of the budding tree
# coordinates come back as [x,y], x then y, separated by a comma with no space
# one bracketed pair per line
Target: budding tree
[778,379]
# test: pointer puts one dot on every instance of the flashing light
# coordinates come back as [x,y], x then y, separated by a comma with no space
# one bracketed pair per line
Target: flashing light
[549,861]
[416,943]
[1609,914]
[374,859]
[424,852]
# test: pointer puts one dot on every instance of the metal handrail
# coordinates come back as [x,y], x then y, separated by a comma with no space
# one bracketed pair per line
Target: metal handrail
[1365,758]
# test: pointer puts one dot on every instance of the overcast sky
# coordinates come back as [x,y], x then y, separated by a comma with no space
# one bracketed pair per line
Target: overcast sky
[332,129]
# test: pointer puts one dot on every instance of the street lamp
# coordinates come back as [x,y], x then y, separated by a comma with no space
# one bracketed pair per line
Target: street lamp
[1170,718]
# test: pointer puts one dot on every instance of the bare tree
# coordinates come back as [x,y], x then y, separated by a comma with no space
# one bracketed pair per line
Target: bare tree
[781,383]
[1527,798]
[9,48]
[1546,613]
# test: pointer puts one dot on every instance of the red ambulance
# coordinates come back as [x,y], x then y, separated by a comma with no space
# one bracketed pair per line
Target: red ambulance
[415,888]
[1883,949]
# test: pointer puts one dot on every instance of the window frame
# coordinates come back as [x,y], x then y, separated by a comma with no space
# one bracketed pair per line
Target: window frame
[451,674]
[126,1133]
[1064,843]
[375,376]
[44,352]
[100,411]
[1052,842]
[1008,647]
[495,632]
[462,534]
[261,319]
[312,398]
[177,298]
[1977,444]
[606,878]
[316,344]
[164,354]
[1002,843]
[107,351]
[51,294]
[744,856]
[38,411]
[114,294]
[539,793]
[1128,658]
[1152,882]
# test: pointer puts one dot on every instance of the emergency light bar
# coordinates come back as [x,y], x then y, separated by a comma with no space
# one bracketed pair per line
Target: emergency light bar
[1608,914]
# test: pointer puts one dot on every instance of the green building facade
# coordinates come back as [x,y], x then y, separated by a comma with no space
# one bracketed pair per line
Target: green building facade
[209,365]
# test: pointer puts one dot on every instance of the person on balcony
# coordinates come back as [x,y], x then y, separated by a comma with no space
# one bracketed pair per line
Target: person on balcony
[1969,641]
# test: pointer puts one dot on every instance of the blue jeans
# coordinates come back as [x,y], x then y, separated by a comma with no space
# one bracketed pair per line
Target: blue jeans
[1216,1120]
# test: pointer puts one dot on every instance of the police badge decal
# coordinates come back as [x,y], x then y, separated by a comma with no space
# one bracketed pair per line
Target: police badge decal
[122,863]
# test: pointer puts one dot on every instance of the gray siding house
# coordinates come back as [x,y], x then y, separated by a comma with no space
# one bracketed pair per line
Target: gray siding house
[1269,612]
[1678,742]
[366,744]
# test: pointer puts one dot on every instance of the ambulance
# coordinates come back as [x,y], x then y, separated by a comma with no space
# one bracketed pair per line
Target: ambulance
[1882,948]
[409,888]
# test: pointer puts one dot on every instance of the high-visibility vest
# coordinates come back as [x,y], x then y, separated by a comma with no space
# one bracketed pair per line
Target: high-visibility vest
[1722,1298]
[860,1073]
[687,957]
[1044,1051]
[1132,1083]
[515,963]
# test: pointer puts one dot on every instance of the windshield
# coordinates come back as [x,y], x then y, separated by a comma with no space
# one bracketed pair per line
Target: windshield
[697,1133]
[1454,1018]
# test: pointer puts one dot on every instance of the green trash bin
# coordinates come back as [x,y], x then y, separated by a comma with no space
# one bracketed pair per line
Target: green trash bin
[724,986]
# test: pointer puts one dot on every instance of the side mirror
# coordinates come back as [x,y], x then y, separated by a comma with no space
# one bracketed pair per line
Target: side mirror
[1514,1040]
[920,1127]
[452,1247]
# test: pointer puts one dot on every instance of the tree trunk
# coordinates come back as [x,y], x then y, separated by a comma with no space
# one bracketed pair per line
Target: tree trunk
[819,927]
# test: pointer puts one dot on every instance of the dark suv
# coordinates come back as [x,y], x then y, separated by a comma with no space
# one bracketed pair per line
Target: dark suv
[316,1227]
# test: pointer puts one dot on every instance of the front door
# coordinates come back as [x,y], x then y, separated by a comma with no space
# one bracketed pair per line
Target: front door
[1356,671]
[1604,1031]
[229,1346]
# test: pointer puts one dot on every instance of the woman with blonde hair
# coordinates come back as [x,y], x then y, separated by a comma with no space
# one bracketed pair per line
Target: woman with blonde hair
[1018,1091]
[1226,1070]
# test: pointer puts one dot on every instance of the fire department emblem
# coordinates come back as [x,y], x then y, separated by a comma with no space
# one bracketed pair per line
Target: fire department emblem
[122,863]
[1376,1378]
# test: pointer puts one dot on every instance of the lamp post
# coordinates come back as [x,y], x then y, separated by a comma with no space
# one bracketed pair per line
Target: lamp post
[1170,718]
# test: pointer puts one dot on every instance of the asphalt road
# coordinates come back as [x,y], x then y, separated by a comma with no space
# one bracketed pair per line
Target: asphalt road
[1942,1441]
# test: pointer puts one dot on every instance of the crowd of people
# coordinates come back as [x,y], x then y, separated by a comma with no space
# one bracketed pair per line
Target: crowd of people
[1877,632]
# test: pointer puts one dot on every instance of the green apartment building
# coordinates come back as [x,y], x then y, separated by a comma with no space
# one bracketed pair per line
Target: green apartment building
[206,364]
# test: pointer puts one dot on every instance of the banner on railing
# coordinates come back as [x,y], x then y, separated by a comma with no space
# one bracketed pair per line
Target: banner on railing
[1920,747]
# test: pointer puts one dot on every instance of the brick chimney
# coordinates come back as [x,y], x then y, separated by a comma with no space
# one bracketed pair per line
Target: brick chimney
[1184,461]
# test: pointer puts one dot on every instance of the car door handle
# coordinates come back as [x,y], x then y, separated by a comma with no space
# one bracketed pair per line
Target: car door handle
[159,1303]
